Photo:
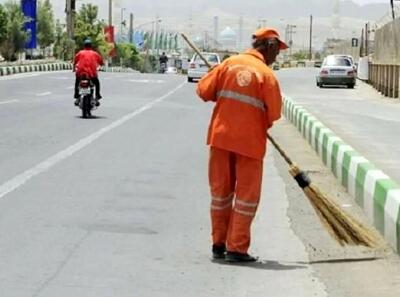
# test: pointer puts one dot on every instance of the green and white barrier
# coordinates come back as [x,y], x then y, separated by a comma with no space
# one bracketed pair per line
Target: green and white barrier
[8,70]
[371,188]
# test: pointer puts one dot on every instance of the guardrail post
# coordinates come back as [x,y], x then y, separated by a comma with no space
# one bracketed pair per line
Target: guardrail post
[397,82]
[383,79]
[392,80]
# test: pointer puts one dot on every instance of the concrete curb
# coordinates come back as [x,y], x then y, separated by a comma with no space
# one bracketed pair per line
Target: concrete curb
[372,189]
[8,70]
[31,68]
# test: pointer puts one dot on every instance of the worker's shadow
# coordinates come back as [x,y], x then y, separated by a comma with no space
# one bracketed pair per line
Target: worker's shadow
[262,264]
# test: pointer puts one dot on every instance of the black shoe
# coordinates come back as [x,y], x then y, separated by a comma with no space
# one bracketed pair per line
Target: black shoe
[234,257]
[218,251]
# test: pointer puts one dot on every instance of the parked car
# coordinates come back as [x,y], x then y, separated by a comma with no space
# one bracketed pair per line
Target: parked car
[337,70]
[197,68]
[171,70]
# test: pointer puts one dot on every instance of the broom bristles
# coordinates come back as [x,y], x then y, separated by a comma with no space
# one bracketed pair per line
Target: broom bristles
[341,226]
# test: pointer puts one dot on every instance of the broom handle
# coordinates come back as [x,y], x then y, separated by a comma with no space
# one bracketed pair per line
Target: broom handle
[196,50]
[279,149]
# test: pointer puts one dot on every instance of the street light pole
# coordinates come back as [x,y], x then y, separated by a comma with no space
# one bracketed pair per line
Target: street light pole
[311,24]
[131,28]
[122,24]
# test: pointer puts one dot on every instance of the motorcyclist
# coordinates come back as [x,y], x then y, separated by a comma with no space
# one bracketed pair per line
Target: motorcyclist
[163,62]
[86,62]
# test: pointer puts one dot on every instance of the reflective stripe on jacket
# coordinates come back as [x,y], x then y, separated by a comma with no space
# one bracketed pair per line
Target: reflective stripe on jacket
[248,101]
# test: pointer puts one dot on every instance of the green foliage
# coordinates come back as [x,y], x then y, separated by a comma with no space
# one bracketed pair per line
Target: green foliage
[3,24]
[300,55]
[147,63]
[88,26]
[128,55]
[64,47]
[15,36]
[45,24]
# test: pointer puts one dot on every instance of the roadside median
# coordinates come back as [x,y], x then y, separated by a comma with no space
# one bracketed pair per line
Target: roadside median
[375,192]
[16,69]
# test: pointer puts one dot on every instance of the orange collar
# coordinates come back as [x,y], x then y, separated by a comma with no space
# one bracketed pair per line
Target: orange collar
[255,53]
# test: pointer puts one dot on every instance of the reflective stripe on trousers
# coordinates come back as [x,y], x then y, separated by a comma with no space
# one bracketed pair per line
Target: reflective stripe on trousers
[242,98]
[221,203]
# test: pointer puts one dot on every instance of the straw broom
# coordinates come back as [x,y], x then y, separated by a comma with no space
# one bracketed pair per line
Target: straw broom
[341,226]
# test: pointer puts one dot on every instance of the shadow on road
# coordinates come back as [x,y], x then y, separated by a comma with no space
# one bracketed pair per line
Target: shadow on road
[263,264]
[92,118]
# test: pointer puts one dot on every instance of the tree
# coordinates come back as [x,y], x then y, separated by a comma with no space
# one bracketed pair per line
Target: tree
[300,55]
[88,26]
[3,24]
[15,35]
[128,55]
[63,46]
[45,25]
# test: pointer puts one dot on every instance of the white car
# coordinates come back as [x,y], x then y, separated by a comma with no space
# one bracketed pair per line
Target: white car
[197,68]
[171,70]
[337,70]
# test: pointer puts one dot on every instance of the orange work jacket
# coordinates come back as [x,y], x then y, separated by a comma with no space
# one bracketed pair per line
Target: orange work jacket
[248,101]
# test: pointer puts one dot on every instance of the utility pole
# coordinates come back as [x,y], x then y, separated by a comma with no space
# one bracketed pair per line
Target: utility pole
[215,32]
[366,39]
[392,6]
[290,32]
[70,14]
[131,28]
[311,24]
[110,12]
[122,25]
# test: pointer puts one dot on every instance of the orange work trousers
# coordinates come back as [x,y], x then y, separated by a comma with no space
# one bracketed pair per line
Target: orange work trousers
[235,183]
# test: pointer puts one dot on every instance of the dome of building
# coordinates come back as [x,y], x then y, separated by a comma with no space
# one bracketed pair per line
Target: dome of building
[228,33]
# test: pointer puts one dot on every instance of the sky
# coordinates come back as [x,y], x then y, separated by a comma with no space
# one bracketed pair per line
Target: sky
[59,4]
[195,16]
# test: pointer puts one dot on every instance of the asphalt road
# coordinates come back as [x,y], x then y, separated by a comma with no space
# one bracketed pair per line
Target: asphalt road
[118,205]
[363,118]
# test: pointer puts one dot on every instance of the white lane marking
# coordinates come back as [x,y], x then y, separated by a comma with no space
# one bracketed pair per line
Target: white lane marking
[60,77]
[22,178]
[43,94]
[9,101]
[18,76]
[147,81]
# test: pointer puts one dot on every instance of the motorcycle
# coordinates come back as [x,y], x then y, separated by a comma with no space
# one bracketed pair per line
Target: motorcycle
[163,67]
[87,102]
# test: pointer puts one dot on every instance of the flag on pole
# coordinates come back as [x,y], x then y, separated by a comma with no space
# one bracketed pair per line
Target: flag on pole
[29,9]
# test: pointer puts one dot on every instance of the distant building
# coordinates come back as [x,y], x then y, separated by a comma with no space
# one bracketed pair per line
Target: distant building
[228,39]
